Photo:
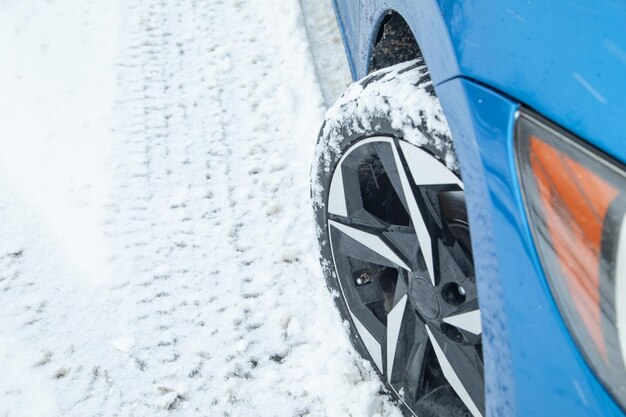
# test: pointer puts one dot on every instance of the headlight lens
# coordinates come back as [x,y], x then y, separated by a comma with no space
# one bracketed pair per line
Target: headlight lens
[576,203]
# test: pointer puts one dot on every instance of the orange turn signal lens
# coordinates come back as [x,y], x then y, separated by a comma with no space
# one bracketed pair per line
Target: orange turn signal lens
[575,200]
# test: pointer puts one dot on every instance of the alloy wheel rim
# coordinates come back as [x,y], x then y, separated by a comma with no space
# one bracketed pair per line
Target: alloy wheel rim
[400,245]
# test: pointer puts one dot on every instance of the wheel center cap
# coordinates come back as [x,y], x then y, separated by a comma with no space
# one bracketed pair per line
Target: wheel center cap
[424,297]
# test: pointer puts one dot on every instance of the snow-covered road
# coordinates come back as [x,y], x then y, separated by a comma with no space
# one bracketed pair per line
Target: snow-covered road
[157,250]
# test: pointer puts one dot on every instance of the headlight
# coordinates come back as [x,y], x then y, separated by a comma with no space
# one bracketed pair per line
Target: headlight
[576,201]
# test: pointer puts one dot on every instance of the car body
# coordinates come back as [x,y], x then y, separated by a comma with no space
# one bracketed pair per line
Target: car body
[566,60]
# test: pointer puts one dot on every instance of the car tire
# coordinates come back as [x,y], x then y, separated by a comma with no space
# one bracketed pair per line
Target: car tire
[385,157]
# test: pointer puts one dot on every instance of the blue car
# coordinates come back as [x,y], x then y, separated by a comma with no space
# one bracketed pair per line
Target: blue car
[469,194]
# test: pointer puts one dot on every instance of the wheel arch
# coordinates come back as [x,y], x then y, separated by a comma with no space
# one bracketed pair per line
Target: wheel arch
[394,43]
[362,22]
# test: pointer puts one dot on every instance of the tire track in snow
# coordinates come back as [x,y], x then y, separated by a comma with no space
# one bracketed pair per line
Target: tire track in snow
[176,133]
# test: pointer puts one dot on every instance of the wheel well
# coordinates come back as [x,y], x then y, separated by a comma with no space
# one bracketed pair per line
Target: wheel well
[394,44]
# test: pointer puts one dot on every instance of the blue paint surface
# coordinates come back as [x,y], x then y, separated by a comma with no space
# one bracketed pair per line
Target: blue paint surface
[567,61]
[564,58]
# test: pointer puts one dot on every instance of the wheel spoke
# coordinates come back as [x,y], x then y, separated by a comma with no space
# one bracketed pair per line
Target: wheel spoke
[370,341]
[337,195]
[402,238]
[406,363]
[406,344]
[399,238]
[469,321]
[409,374]
[462,368]
[361,219]
[426,169]
[394,324]
[394,167]
[370,247]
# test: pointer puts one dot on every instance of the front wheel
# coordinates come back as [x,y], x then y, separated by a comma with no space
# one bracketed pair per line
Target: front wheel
[395,241]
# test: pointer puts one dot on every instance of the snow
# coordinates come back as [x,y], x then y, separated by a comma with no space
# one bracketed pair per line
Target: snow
[123,344]
[158,253]
[396,94]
